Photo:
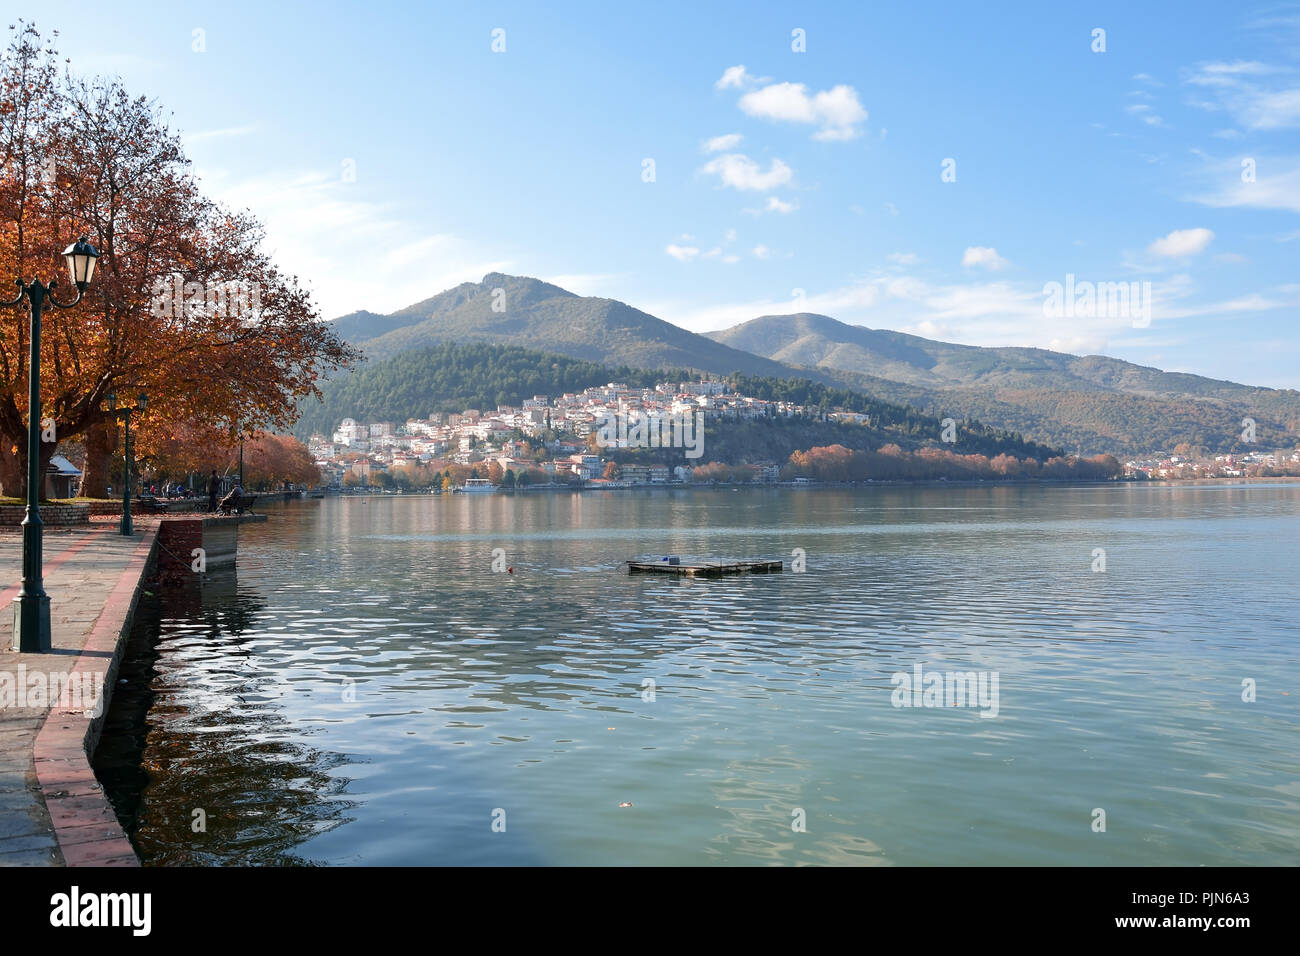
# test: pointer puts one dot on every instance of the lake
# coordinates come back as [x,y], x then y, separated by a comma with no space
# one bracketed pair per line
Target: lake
[366,689]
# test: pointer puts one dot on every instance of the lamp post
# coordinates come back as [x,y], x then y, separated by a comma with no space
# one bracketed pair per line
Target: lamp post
[32,606]
[124,527]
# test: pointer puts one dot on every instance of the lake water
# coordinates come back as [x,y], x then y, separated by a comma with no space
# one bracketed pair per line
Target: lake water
[366,690]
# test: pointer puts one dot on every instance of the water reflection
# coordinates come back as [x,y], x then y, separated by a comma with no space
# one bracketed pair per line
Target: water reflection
[196,757]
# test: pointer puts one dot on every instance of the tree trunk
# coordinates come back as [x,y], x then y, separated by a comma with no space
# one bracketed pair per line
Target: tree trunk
[44,452]
[13,467]
[97,470]
[13,471]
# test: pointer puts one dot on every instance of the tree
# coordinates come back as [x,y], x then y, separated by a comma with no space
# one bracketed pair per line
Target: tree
[612,471]
[186,307]
[271,460]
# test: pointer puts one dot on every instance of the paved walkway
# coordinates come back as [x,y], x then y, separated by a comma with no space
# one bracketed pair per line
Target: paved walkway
[52,810]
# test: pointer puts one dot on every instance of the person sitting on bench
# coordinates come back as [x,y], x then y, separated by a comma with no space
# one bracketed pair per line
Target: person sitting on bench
[233,502]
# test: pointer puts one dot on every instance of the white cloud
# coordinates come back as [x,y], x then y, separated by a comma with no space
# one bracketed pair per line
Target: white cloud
[904,258]
[368,261]
[986,257]
[837,111]
[730,235]
[229,132]
[1238,68]
[1259,96]
[734,77]
[681,253]
[740,172]
[1144,112]
[722,143]
[1181,242]
[762,252]
[981,312]
[777,205]
[1276,186]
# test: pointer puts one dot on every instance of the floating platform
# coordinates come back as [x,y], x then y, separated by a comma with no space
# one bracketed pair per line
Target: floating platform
[710,569]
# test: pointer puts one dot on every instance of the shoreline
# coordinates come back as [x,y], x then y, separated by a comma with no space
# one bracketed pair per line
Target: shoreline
[56,811]
[829,485]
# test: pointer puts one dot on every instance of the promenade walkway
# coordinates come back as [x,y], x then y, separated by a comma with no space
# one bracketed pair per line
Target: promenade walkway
[52,810]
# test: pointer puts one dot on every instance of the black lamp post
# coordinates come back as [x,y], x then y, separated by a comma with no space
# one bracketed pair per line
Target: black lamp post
[125,528]
[32,606]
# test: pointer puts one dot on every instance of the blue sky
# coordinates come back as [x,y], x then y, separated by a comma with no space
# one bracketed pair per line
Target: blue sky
[806,181]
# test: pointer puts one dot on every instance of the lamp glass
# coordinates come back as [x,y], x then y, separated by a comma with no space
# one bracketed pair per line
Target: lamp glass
[81,256]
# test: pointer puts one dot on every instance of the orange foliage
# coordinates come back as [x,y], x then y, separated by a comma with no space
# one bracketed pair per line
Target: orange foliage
[157,318]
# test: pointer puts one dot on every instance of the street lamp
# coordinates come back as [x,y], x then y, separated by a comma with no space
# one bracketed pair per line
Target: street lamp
[32,606]
[124,527]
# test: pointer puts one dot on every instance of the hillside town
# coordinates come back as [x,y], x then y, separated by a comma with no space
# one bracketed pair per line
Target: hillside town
[513,441]
[1256,464]
[548,441]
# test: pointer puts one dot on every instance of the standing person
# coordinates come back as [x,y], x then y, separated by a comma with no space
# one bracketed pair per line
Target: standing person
[214,488]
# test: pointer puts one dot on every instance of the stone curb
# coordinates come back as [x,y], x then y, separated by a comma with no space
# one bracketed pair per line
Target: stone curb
[84,822]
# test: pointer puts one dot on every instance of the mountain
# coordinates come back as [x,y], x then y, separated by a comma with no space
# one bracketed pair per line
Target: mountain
[1086,404]
[358,326]
[1089,403]
[516,310]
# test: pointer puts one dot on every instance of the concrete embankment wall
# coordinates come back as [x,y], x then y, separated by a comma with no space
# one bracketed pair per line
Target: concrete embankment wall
[84,822]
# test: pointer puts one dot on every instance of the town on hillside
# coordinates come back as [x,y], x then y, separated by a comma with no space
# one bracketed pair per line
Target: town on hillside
[507,446]
[548,442]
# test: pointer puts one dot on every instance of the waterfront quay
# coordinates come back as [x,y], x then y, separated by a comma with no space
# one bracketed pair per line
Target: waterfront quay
[53,812]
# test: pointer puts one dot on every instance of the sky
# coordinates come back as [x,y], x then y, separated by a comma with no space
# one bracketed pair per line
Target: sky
[928,168]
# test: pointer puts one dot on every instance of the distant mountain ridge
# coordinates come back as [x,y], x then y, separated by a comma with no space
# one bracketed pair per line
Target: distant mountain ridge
[1090,404]
[514,310]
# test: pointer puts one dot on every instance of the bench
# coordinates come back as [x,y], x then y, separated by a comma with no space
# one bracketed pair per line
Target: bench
[245,506]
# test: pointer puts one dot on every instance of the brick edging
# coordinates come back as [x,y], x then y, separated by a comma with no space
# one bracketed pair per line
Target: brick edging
[84,822]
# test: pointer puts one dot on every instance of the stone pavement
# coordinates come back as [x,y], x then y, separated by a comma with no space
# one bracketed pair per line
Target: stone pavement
[52,810]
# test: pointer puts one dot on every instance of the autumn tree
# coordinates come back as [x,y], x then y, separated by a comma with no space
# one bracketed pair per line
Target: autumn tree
[186,306]
[271,460]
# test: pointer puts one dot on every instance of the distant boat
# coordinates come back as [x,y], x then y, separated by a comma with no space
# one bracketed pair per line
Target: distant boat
[477,486]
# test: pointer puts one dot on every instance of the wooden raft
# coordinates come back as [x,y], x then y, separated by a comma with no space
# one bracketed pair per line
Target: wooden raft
[712,569]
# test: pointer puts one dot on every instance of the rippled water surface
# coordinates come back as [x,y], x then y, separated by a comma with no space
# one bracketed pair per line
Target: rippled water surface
[366,690]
